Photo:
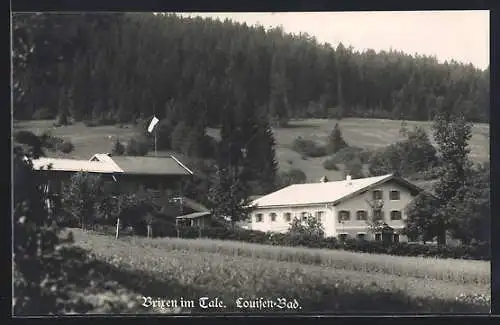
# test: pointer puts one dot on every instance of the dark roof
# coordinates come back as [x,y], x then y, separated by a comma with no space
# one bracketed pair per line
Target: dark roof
[151,165]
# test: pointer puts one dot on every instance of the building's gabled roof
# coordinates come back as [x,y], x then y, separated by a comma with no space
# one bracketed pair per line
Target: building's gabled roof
[325,193]
[145,165]
[74,165]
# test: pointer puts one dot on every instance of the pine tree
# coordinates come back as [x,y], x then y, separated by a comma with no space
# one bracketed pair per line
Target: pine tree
[229,193]
[260,161]
[278,97]
[335,141]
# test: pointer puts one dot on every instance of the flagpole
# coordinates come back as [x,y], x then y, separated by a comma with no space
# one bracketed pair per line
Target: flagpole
[156,154]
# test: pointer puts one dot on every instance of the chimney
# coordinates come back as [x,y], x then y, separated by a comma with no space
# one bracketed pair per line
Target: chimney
[348,179]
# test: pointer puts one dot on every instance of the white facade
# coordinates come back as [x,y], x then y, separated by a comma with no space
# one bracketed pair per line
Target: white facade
[276,218]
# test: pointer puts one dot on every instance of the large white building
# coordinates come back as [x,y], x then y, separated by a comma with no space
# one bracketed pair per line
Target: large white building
[345,208]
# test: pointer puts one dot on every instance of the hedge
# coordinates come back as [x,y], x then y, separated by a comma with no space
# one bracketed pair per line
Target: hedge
[474,252]
[163,228]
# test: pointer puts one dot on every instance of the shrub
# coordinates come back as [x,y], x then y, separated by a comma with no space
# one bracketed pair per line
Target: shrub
[66,147]
[347,154]
[354,168]
[412,155]
[335,141]
[308,148]
[137,147]
[329,164]
[305,238]
[31,141]
[118,148]
[293,176]
[50,141]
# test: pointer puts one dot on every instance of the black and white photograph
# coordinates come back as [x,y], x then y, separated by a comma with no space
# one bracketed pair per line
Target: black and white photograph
[184,163]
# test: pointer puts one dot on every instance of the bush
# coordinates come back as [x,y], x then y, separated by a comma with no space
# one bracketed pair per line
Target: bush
[66,147]
[308,148]
[138,147]
[329,164]
[293,176]
[335,141]
[118,148]
[50,141]
[347,154]
[415,154]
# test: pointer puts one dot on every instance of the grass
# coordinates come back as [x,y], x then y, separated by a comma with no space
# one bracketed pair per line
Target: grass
[363,133]
[358,283]
[451,270]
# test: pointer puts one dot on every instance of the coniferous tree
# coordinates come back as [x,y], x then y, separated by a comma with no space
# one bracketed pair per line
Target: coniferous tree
[278,97]
[335,141]
[260,161]
[229,193]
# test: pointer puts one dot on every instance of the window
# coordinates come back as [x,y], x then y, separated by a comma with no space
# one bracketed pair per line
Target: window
[304,216]
[342,237]
[395,215]
[319,215]
[361,215]
[273,216]
[288,216]
[377,195]
[394,195]
[258,217]
[378,215]
[396,238]
[378,237]
[344,215]
[361,236]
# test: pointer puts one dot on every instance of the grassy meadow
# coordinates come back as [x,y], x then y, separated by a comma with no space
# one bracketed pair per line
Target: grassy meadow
[363,133]
[319,280]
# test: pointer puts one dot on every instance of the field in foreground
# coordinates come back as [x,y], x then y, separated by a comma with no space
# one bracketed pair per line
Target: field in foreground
[319,281]
[363,133]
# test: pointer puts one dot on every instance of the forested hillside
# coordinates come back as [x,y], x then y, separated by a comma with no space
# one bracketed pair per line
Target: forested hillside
[119,67]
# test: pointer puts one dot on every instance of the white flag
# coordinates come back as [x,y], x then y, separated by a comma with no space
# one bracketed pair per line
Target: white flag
[153,123]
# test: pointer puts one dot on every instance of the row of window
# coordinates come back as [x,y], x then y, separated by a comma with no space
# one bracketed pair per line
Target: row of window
[287,216]
[379,195]
[378,237]
[343,215]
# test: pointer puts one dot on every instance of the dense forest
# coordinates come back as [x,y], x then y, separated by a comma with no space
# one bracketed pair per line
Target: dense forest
[119,67]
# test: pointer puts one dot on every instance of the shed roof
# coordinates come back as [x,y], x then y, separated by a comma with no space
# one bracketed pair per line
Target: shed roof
[323,193]
[146,165]
[74,165]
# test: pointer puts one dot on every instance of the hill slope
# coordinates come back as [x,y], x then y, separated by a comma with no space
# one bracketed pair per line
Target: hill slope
[363,133]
